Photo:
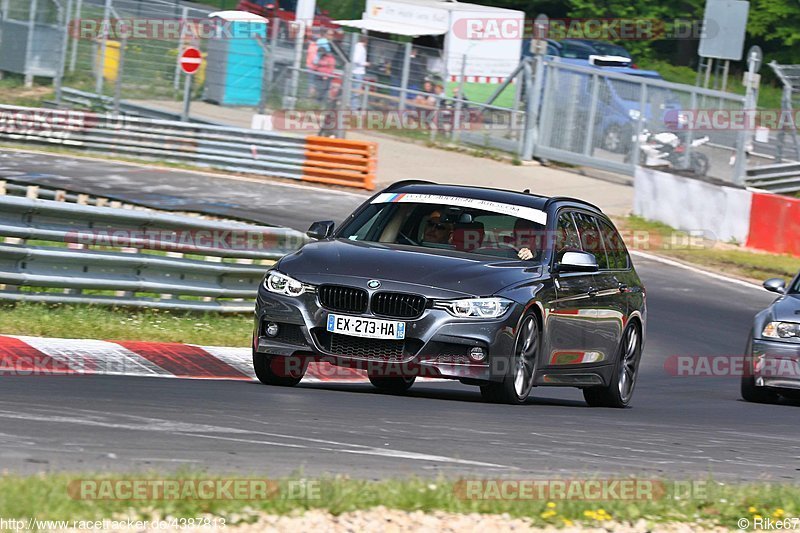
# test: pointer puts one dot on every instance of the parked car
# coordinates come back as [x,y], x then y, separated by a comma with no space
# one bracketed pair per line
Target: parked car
[429,280]
[619,102]
[603,48]
[772,357]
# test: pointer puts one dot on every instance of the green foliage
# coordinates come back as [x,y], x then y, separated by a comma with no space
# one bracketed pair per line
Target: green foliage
[775,20]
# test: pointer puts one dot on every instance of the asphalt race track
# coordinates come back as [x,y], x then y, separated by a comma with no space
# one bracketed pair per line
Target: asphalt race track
[268,202]
[677,427]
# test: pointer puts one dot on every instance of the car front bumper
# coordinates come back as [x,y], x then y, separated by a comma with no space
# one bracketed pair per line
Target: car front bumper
[436,344]
[776,364]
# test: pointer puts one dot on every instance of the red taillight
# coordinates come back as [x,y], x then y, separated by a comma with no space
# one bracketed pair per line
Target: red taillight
[680,149]
[634,65]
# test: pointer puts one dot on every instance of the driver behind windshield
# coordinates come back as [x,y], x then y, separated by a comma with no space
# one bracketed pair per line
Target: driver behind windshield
[437,231]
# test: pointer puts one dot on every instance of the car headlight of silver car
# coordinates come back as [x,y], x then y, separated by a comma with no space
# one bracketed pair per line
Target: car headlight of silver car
[286,285]
[475,307]
[781,330]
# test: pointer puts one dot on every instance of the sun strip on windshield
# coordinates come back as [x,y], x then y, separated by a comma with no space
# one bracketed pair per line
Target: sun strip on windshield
[528,213]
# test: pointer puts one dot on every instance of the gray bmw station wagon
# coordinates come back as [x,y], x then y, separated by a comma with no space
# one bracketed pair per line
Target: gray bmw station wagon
[502,290]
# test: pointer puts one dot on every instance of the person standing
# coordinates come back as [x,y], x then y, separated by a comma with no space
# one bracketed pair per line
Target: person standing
[325,68]
[360,65]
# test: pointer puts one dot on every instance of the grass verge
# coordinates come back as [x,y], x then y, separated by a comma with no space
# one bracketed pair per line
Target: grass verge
[58,497]
[727,258]
[95,322]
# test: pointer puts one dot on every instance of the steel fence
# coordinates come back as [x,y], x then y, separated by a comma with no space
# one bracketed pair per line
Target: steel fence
[564,112]
[601,118]
[66,253]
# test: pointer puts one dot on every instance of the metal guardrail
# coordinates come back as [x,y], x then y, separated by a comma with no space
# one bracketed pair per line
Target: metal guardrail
[318,159]
[66,253]
[779,178]
[76,98]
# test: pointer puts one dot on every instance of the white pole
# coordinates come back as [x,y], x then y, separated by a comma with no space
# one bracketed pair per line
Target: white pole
[76,37]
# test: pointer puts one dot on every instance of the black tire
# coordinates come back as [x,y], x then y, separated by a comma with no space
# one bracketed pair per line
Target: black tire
[617,139]
[619,391]
[518,381]
[754,394]
[700,164]
[394,385]
[748,389]
[279,371]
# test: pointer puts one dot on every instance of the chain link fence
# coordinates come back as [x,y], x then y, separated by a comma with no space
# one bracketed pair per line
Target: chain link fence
[127,50]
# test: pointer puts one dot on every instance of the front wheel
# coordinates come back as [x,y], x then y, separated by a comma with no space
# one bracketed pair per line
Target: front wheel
[750,392]
[280,371]
[619,391]
[700,164]
[518,382]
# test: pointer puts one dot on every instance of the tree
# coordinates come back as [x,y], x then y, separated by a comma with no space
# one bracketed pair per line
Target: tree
[775,20]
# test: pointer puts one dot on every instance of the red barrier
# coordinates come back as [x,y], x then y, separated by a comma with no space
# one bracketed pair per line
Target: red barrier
[775,224]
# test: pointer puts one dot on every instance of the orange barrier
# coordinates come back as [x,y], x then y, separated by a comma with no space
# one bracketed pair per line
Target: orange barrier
[340,162]
[775,224]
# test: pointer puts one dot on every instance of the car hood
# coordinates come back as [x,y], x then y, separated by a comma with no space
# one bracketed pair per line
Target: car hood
[440,273]
[786,308]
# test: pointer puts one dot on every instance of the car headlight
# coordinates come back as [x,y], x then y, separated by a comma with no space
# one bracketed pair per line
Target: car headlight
[634,114]
[475,307]
[283,284]
[781,330]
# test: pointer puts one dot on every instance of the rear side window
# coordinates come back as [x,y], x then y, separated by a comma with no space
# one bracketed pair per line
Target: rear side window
[615,247]
[591,240]
[567,237]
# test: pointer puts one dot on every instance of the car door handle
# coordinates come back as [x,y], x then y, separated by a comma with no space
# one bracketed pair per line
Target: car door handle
[592,292]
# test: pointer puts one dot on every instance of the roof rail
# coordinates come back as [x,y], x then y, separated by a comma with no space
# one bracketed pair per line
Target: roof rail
[554,199]
[403,183]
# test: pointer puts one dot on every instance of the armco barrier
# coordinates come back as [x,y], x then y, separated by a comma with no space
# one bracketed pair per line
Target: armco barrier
[690,204]
[97,255]
[759,220]
[775,224]
[316,159]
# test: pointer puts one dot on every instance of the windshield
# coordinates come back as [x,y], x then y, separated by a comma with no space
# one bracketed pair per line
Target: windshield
[446,223]
[610,49]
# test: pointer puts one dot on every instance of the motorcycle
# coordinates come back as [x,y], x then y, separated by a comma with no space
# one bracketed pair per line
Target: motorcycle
[667,149]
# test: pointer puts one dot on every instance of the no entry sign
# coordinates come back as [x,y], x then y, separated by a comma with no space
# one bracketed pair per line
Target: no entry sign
[190,60]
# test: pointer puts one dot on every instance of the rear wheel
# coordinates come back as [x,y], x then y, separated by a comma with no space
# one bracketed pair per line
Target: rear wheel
[395,385]
[518,382]
[619,391]
[280,371]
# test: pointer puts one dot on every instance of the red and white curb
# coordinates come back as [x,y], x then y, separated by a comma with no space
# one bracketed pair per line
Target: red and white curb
[20,355]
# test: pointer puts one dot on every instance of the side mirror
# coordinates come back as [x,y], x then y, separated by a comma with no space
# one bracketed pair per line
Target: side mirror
[775,285]
[577,262]
[321,230]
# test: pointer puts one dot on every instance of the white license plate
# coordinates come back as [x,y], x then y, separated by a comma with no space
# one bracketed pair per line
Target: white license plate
[366,327]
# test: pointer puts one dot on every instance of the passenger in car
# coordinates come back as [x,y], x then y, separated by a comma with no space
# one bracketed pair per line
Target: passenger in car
[526,238]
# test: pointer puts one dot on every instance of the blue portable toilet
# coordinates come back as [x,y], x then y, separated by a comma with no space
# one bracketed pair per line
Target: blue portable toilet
[235,62]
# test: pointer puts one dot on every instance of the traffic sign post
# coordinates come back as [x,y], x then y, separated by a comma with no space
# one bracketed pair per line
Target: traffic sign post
[190,61]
